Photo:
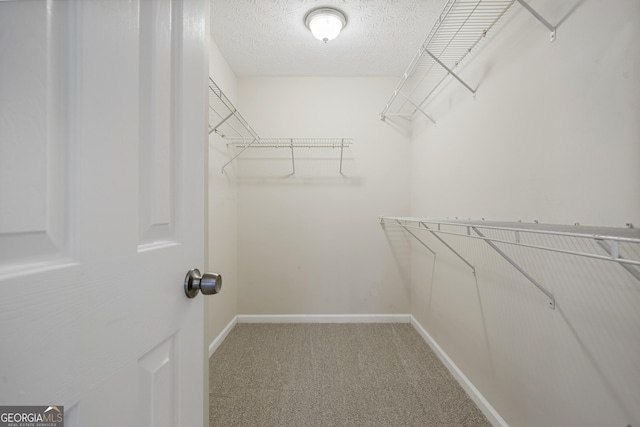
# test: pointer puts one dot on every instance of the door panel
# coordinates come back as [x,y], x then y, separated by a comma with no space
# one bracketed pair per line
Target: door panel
[102,110]
[33,209]
[157,377]
[159,73]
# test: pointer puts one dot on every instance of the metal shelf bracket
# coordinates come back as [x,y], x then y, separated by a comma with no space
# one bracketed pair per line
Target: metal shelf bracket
[540,18]
[435,58]
[215,128]
[473,269]
[614,252]
[237,155]
[341,153]
[415,237]
[417,107]
[552,300]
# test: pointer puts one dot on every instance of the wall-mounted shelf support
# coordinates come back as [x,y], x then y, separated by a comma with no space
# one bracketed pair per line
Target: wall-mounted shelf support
[414,236]
[293,160]
[435,58]
[612,240]
[540,18]
[237,155]
[214,128]
[614,252]
[341,153]
[473,269]
[552,300]
[417,107]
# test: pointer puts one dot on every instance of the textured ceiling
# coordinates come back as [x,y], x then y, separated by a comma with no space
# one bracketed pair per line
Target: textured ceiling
[269,38]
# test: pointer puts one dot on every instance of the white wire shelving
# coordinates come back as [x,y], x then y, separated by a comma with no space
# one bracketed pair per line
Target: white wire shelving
[295,144]
[614,244]
[461,27]
[226,121]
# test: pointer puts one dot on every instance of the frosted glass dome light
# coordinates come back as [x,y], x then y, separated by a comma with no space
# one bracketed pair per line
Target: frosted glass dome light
[325,23]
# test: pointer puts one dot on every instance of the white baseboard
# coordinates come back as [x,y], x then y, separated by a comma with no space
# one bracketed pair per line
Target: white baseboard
[324,318]
[492,415]
[222,335]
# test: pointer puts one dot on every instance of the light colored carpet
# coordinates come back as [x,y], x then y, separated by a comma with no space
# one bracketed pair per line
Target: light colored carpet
[333,375]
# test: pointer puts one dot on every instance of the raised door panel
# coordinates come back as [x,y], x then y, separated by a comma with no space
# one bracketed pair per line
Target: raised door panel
[35,100]
[159,71]
[157,379]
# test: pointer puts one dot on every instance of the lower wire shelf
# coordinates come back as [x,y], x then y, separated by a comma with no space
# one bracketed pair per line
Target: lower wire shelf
[615,244]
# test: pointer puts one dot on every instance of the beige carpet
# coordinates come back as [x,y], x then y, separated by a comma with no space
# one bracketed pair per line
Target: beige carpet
[333,375]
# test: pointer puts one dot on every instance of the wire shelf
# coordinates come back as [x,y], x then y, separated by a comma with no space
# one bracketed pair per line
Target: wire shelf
[461,27]
[293,142]
[226,121]
[615,244]
[295,145]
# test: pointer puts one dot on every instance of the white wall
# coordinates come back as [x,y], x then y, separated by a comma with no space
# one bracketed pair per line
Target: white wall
[222,214]
[553,135]
[310,243]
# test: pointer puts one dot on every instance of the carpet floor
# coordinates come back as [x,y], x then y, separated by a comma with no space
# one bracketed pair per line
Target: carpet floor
[333,375]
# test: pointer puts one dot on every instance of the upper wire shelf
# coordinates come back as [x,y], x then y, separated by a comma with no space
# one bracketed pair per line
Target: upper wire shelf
[462,25]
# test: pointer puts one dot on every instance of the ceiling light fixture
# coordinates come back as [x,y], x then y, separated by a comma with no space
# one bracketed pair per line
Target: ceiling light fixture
[325,23]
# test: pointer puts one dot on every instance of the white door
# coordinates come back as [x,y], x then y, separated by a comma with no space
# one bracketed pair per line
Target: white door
[102,135]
